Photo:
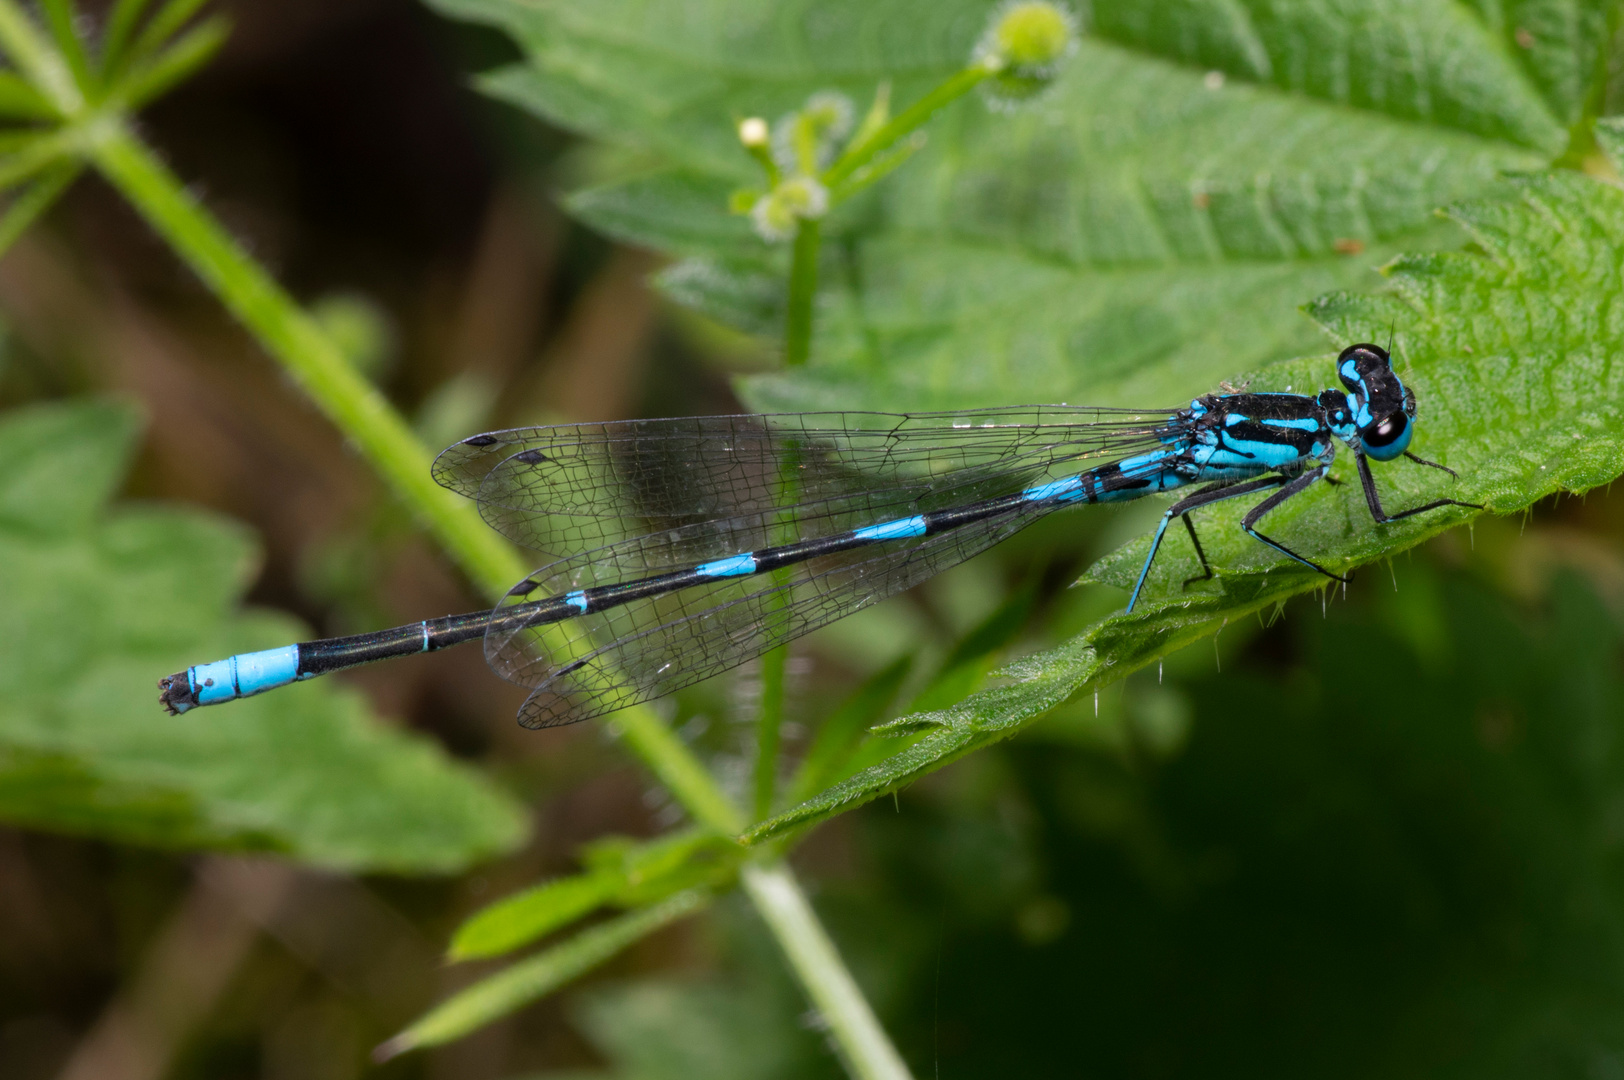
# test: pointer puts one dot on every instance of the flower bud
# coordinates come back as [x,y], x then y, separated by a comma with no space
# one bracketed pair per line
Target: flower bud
[753,132]
[778,213]
[806,140]
[830,115]
[1024,46]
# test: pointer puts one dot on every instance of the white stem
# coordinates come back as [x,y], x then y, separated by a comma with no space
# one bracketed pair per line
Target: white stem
[863,1044]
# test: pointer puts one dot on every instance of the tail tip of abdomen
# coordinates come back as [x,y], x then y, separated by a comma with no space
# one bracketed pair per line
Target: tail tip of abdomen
[175,693]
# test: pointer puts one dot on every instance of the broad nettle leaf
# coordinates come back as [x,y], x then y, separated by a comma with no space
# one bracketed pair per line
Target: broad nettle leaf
[100,602]
[1145,229]
[1512,350]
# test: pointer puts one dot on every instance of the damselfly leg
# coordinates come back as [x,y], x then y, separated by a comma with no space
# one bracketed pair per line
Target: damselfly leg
[1205,497]
[1435,465]
[1374,502]
[1295,487]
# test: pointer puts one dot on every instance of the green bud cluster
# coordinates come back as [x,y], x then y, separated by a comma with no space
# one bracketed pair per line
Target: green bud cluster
[793,152]
[777,213]
[1025,44]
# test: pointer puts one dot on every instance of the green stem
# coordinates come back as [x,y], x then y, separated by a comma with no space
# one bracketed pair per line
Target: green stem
[669,758]
[803,290]
[914,116]
[769,728]
[863,1044]
[352,403]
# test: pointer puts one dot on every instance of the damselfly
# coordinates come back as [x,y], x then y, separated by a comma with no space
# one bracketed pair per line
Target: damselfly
[688,546]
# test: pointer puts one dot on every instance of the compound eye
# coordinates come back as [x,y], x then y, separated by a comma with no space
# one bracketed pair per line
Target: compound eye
[1389,430]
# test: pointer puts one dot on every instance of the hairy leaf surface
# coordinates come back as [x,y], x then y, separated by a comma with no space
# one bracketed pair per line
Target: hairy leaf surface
[100,602]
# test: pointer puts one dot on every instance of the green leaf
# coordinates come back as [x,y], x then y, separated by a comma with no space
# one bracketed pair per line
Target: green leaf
[1609,133]
[179,61]
[164,24]
[29,154]
[1141,232]
[1559,45]
[59,16]
[967,664]
[119,28]
[519,919]
[538,976]
[20,101]
[842,730]
[27,207]
[1511,351]
[102,602]
[626,873]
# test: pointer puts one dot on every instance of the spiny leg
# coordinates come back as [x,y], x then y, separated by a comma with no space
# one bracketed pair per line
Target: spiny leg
[1373,501]
[1296,487]
[1432,464]
[1204,497]
[1206,569]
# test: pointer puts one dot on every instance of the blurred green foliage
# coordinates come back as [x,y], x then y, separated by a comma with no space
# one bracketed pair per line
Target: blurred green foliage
[97,600]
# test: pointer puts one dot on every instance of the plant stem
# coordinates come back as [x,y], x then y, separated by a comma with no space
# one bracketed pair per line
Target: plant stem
[914,116]
[769,728]
[803,290]
[863,1044]
[352,403]
[669,758]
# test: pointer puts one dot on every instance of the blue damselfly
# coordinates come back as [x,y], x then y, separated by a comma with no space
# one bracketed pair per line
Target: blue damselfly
[685,547]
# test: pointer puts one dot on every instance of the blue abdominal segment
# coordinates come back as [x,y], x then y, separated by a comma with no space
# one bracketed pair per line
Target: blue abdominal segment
[737,566]
[1064,490]
[893,530]
[244,675]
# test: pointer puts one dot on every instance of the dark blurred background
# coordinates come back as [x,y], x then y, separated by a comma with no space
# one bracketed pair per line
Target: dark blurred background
[1386,840]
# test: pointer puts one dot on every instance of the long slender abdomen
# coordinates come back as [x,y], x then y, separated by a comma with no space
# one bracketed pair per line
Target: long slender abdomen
[254,673]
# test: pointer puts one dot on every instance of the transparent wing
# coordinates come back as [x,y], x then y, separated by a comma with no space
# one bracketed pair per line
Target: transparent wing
[659,645]
[650,647]
[582,486]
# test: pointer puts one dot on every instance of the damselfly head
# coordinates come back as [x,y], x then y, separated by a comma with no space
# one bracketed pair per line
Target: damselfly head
[1383,407]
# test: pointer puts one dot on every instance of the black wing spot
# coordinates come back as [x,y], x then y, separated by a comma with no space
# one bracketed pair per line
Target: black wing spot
[481,440]
[531,457]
